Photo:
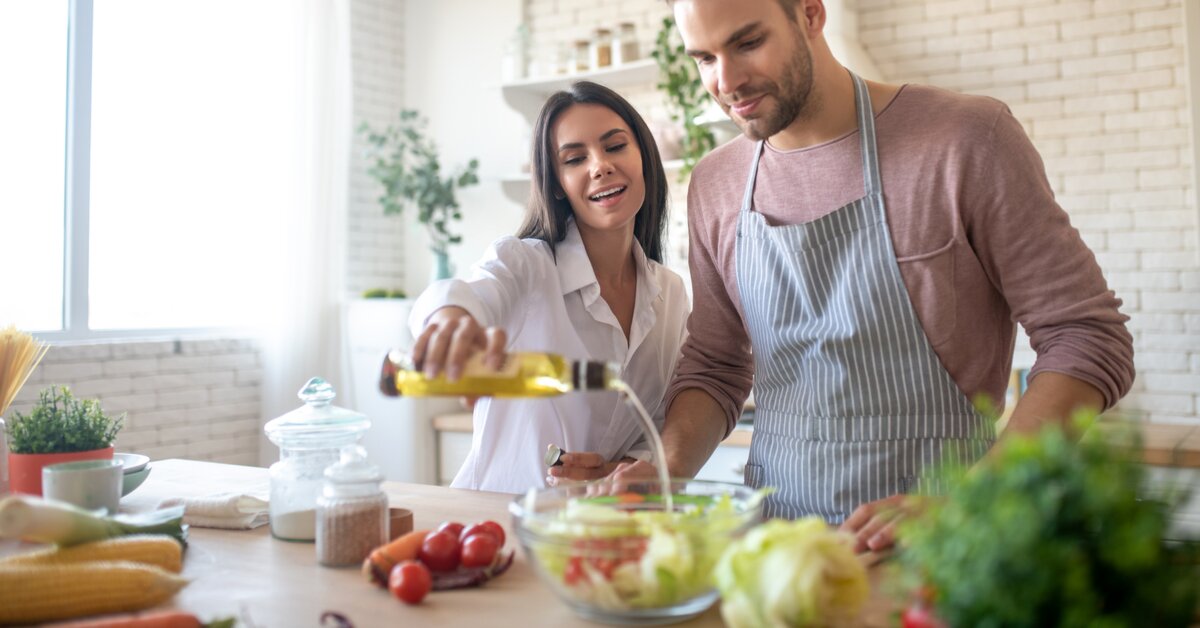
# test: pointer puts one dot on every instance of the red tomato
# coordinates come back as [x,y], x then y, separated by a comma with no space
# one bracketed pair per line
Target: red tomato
[439,551]
[410,581]
[919,616]
[574,572]
[479,550]
[496,529]
[453,527]
[474,529]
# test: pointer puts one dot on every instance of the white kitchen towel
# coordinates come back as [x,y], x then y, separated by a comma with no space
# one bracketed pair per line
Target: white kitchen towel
[232,511]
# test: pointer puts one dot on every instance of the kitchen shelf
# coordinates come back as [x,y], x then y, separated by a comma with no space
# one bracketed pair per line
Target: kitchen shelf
[638,72]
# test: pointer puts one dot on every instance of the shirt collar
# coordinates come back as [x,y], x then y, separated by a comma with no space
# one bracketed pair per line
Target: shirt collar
[575,269]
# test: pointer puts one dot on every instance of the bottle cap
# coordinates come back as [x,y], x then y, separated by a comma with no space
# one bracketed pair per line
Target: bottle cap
[553,456]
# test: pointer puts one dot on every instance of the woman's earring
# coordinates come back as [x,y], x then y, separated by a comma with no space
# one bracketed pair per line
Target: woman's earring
[559,195]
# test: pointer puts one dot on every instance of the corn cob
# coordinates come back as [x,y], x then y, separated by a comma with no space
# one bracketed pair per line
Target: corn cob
[38,593]
[159,550]
[34,519]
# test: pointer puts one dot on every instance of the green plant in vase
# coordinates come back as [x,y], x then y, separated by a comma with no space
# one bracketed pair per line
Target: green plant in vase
[680,81]
[60,428]
[406,163]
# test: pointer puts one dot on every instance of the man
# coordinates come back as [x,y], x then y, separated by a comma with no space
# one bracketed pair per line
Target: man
[862,254]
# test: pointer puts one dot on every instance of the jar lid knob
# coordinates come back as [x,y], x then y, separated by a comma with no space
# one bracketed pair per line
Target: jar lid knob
[317,392]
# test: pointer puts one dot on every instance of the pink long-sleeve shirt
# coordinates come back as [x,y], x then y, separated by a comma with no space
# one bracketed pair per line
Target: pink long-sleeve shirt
[980,241]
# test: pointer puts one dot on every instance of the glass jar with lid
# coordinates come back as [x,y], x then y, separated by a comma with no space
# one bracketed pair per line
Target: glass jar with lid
[625,44]
[309,439]
[601,49]
[352,511]
[581,55]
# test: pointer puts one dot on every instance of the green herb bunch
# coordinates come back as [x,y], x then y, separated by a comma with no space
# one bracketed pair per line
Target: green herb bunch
[60,423]
[680,79]
[407,164]
[1051,531]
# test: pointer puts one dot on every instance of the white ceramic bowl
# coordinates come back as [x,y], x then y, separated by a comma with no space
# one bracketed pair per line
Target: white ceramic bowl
[132,462]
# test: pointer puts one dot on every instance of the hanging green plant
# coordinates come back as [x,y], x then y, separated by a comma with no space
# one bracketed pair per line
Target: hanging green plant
[687,99]
[408,167]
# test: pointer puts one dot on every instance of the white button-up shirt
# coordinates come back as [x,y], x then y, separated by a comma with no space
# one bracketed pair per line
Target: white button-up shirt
[556,308]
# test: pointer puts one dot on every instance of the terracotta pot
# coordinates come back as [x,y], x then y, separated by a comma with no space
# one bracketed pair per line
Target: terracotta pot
[25,470]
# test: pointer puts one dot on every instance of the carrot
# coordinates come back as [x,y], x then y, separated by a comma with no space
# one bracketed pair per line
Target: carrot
[378,566]
[156,619]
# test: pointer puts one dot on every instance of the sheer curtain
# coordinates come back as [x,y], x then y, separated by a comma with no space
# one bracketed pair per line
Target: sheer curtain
[308,253]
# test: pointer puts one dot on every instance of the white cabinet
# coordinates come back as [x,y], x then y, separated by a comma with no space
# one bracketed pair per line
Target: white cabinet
[453,448]
[400,440]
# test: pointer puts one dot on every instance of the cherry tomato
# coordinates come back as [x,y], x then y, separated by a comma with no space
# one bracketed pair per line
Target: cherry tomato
[439,551]
[574,572]
[476,528]
[479,550]
[919,616]
[453,527]
[496,529]
[410,581]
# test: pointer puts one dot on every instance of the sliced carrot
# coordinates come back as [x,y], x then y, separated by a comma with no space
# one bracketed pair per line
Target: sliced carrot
[630,498]
[378,566]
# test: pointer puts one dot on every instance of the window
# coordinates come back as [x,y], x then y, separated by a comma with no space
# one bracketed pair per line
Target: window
[184,117]
[33,71]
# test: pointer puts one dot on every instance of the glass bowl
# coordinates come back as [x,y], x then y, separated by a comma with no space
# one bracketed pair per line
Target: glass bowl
[620,557]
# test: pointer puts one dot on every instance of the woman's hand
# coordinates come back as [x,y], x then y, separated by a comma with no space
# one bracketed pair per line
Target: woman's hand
[450,336]
[581,466]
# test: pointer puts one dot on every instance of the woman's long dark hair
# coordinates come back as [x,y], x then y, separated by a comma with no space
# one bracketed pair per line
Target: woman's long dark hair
[546,217]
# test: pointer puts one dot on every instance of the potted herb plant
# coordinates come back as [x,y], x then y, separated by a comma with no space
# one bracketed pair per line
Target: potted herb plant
[60,428]
[406,163]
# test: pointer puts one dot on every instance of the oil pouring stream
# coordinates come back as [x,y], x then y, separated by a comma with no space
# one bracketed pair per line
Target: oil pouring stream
[524,375]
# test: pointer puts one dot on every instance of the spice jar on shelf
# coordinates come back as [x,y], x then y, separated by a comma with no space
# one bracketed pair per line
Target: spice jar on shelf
[601,49]
[625,45]
[352,511]
[581,55]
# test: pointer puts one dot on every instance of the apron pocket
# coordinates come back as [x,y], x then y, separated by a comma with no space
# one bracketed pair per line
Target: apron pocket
[927,276]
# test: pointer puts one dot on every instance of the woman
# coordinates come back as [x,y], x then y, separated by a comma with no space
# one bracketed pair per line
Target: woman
[583,278]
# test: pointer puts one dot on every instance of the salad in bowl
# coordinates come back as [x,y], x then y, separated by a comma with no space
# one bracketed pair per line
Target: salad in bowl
[622,556]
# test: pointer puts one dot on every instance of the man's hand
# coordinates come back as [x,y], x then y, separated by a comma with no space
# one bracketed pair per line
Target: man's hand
[873,524]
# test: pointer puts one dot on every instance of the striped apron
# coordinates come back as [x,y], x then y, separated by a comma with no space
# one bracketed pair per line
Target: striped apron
[851,400]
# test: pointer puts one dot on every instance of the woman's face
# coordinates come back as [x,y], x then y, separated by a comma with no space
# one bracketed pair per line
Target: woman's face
[599,167]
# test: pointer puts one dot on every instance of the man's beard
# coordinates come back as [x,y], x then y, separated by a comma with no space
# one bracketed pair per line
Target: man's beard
[791,93]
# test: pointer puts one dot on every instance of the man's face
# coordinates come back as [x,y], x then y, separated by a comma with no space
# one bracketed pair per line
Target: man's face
[753,59]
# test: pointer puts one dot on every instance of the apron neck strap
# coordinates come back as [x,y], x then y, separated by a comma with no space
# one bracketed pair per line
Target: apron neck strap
[748,197]
[866,134]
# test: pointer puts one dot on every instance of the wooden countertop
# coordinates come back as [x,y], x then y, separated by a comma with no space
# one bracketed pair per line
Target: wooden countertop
[276,583]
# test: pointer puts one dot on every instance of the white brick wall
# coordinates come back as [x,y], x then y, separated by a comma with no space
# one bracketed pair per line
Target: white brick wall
[1100,89]
[375,251]
[192,398]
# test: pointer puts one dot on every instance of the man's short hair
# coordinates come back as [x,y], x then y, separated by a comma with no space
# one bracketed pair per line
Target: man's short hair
[788,6]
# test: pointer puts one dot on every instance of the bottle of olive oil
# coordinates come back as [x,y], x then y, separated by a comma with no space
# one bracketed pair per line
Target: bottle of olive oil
[523,375]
